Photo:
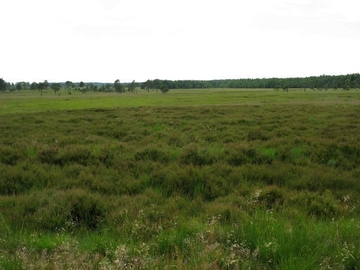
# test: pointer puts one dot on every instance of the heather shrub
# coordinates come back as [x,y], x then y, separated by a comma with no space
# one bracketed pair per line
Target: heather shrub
[317,205]
[15,180]
[192,155]
[152,153]
[274,174]
[9,155]
[48,154]
[237,155]
[255,134]
[272,197]
[72,210]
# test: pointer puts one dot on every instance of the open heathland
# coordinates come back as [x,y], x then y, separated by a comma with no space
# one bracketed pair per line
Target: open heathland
[192,179]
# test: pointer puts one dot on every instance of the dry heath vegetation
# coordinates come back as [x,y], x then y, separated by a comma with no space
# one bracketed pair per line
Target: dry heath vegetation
[268,184]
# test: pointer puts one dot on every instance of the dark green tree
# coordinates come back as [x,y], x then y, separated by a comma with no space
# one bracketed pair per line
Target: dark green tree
[347,84]
[56,87]
[68,85]
[132,87]
[10,86]
[82,84]
[156,84]
[164,89]
[107,87]
[46,84]
[147,85]
[2,85]
[118,86]
[19,86]
[41,87]
[33,86]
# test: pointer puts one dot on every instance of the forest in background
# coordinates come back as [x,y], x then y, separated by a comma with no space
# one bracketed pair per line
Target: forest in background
[323,82]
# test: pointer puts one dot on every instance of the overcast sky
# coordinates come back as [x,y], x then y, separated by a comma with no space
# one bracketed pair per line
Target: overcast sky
[105,40]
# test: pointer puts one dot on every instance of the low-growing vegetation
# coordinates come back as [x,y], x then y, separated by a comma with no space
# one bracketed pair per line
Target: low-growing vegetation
[259,185]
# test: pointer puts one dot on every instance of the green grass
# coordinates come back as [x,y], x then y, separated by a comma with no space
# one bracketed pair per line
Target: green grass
[194,179]
[31,101]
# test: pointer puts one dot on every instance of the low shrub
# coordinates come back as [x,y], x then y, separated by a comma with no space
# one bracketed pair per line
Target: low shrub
[10,155]
[152,153]
[272,197]
[318,205]
[192,155]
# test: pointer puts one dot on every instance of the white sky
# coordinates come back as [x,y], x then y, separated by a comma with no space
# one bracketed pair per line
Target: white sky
[105,40]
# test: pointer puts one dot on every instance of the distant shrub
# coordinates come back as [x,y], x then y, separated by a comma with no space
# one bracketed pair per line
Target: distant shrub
[9,155]
[266,174]
[15,181]
[174,140]
[75,154]
[191,155]
[257,134]
[152,153]
[316,178]
[236,155]
[189,181]
[48,155]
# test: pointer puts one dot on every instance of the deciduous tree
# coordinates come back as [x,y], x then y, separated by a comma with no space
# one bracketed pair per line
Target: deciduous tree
[56,87]
[34,86]
[164,89]
[41,87]
[68,85]
[147,85]
[118,86]
[132,87]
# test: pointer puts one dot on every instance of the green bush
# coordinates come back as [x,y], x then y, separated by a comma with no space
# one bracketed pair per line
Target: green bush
[236,155]
[152,153]
[318,205]
[14,180]
[10,155]
[257,134]
[191,155]
[272,197]
[85,209]
[56,211]
[48,155]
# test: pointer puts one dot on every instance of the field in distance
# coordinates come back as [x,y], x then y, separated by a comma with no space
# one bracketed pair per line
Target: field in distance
[191,179]
[31,101]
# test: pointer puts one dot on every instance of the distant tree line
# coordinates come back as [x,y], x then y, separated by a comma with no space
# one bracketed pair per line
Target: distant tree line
[322,82]
[69,86]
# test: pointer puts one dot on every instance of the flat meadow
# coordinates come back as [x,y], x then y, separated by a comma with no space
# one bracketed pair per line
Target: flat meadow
[191,179]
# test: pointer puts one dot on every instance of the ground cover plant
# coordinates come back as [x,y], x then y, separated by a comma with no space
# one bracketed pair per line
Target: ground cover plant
[259,180]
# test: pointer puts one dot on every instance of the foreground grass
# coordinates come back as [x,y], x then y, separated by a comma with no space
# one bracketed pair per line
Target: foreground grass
[259,185]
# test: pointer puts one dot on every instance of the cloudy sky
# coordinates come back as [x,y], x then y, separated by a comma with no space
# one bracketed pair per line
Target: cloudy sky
[105,40]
